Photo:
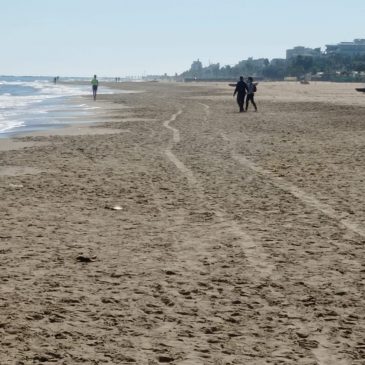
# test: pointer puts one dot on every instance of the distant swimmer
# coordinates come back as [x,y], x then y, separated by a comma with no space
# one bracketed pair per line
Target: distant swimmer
[251,89]
[95,84]
[241,88]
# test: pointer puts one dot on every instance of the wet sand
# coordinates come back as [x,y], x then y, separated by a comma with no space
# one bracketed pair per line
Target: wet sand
[238,238]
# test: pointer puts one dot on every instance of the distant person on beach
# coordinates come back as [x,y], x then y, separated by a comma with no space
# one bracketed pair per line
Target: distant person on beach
[95,84]
[251,89]
[241,88]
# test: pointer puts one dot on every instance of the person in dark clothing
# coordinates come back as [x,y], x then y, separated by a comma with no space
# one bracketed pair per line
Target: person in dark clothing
[251,89]
[241,88]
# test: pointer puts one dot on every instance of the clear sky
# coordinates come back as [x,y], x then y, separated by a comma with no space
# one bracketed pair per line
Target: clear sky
[135,37]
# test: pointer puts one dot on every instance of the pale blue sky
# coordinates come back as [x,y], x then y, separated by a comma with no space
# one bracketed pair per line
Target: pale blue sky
[125,37]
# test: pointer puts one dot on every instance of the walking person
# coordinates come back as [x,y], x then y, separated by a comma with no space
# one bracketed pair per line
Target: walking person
[241,88]
[95,84]
[251,89]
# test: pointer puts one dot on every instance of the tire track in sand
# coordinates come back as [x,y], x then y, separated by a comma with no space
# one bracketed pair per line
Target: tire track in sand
[176,139]
[257,259]
[325,354]
[304,197]
[254,252]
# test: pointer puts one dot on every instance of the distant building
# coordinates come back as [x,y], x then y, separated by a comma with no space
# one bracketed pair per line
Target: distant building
[277,62]
[196,66]
[302,51]
[260,62]
[252,66]
[357,47]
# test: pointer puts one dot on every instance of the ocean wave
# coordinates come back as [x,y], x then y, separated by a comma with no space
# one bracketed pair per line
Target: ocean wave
[29,101]
[6,125]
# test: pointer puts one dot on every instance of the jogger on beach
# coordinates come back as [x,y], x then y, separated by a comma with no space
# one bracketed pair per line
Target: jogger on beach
[94,83]
[241,88]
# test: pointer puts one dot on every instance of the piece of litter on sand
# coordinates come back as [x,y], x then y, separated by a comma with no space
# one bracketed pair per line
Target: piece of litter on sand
[84,258]
[115,207]
[16,186]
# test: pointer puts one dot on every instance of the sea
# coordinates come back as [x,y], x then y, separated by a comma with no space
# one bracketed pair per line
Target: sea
[29,104]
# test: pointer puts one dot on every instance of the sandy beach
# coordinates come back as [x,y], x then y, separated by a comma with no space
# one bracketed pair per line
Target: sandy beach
[179,231]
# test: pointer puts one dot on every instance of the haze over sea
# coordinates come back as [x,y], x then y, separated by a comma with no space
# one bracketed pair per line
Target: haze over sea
[34,103]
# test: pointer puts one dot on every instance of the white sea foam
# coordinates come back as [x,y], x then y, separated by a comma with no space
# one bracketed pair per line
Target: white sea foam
[8,125]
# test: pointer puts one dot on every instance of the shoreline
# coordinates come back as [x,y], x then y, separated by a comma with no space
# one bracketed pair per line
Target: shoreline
[63,112]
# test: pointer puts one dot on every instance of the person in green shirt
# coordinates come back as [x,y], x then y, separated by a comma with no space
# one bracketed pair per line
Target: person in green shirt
[95,84]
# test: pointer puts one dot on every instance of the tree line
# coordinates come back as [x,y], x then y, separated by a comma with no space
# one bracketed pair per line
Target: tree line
[327,67]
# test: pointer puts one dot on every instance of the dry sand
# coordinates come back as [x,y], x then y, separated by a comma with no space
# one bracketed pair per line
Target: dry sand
[239,238]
